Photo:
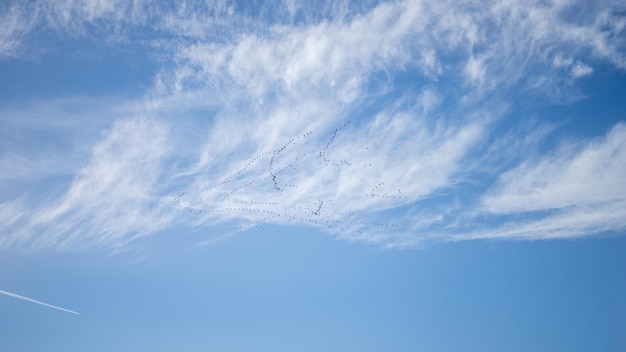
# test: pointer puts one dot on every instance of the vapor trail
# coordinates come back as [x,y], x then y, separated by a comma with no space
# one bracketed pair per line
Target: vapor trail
[36,301]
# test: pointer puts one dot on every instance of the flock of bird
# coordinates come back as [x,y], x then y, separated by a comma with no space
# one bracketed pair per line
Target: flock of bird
[221,201]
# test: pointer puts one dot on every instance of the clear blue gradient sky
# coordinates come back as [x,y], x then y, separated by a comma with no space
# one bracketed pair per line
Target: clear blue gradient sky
[294,176]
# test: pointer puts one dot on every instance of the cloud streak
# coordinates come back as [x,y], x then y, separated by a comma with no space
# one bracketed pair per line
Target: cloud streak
[111,200]
[36,301]
[577,191]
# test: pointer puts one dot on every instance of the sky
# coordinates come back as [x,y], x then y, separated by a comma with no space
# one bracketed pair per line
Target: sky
[330,175]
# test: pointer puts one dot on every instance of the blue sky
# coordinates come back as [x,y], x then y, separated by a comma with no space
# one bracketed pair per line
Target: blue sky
[284,175]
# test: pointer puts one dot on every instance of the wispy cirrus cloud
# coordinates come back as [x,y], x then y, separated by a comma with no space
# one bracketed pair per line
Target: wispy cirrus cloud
[341,180]
[113,199]
[576,191]
[575,175]
[16,24]
[372,122]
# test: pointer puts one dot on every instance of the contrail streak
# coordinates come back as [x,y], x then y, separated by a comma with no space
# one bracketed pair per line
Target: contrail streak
[36,301]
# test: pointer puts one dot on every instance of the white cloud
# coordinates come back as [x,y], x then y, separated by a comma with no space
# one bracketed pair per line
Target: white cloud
[11,213]
[503,44]
[560,61]
[341,180]
[581,70]
[580,221]
[40,138]
[16,23]
[329,57]
[568,178]
[578,69]
[113,199]
[430,63]
[308,119]
[475,71]
[578,191]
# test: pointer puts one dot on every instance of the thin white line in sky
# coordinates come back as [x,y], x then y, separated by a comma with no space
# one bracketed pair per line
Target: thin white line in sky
[36,301]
